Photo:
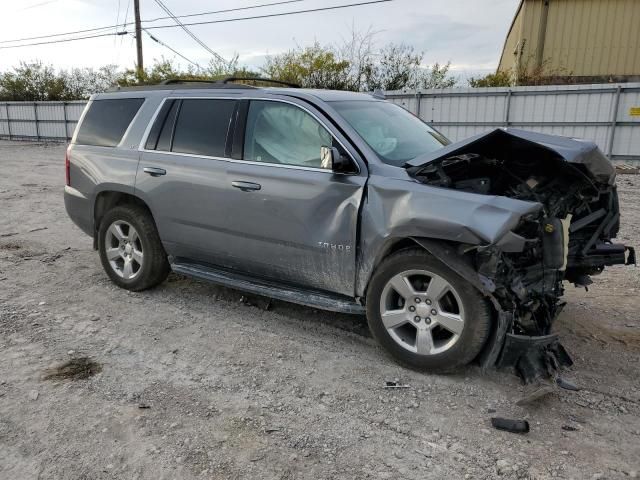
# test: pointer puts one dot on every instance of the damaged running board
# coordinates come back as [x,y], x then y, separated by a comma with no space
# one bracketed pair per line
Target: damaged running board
[287,293]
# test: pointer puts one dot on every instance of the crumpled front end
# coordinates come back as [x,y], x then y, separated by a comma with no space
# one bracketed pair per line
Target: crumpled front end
[569,238]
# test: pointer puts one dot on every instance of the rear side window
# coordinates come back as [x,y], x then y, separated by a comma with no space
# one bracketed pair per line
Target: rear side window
[106,121]
[200,128]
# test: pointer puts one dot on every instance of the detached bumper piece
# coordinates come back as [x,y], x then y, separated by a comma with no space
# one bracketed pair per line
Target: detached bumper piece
[533,357]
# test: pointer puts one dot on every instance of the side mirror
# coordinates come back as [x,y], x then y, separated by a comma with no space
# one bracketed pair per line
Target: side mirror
[331,159]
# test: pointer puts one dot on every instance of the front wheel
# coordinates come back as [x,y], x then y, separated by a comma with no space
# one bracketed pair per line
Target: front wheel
[130,249]
[424,314]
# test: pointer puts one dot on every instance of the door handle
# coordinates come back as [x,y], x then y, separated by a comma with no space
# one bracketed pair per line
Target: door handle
[246,186]
[154,172]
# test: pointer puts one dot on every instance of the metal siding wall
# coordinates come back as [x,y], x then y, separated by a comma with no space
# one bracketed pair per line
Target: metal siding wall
[50,119]
[577,111]
[586,37]
[4,125]
[507,59]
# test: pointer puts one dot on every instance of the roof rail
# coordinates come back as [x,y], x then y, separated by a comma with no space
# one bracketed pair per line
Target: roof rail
[258,79]
[185,83]
[203,82]
[172,81]
[378,94]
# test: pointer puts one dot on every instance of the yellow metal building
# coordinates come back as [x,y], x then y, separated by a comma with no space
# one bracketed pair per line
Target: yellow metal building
[585,40]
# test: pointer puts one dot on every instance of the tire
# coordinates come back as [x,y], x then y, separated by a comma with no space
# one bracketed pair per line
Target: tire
[145,254]
[444,341]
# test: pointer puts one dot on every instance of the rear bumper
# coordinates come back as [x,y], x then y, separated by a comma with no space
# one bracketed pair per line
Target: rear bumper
[79,209]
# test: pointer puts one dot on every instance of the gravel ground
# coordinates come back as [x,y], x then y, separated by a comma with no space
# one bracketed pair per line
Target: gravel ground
[194,381]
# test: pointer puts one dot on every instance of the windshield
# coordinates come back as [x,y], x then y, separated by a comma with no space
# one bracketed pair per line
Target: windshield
[396,135]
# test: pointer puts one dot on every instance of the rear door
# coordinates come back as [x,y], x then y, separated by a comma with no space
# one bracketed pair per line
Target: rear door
[182,176]
[292,219]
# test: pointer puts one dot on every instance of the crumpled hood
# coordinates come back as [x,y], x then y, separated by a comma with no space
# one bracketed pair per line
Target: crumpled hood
[505,143]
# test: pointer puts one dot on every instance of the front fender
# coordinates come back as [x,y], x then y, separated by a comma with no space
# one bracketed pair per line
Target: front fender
[398,209]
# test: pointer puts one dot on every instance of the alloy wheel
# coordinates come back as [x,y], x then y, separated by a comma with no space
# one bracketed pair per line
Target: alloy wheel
[123,249]
[422,312]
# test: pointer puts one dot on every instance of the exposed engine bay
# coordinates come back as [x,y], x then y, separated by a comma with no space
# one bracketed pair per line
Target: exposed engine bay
[570,237]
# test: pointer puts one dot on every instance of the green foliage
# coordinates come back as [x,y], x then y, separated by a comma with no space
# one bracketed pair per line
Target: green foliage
[498,79]
[438,77]
[310,67]
[523,75]
[38,82]
[400,67]
[165,69]
[160,70]
[357,67]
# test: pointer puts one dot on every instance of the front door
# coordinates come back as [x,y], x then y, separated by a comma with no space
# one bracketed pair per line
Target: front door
[295,221]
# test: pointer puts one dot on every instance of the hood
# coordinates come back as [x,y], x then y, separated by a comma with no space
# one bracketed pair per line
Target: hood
[505,143]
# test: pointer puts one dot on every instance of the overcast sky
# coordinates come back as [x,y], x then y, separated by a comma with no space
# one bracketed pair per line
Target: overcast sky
[469,33]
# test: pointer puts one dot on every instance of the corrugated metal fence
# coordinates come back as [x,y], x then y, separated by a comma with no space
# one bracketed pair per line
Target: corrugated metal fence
[606,114]
[39,120]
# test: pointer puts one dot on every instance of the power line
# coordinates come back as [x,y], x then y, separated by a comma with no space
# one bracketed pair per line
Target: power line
[118,15]
[124,32]
[167,46]
[228,10]
[51,35]
[95,29]
[189,32]
[270,15]
[116,28]
[124,23]
[63,40]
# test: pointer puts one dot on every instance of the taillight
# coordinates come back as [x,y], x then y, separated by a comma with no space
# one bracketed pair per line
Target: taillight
[67,166]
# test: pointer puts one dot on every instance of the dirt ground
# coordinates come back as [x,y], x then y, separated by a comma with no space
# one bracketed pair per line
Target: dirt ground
[190,382]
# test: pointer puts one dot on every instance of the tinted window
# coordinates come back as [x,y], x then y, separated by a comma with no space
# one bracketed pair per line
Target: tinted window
[166,133]
[161,119]
[201,127]
[282,133]
[106,121]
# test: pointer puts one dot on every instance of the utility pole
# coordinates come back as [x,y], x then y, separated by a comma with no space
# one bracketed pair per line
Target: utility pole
[140,65]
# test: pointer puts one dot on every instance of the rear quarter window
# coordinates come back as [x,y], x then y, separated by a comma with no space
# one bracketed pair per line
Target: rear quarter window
[201,127]
[107,120]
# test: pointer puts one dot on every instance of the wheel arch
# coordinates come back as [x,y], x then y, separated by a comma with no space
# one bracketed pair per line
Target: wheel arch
[444,250]
[447,252]
[108,199]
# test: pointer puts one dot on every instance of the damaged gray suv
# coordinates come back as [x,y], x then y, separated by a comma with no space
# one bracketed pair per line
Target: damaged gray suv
[346,202]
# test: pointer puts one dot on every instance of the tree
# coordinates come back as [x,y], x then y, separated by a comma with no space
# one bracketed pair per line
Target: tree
[311,67]
[160,71]
[397,67]
[523,75]
[498,79]
[356,66]
[32,82]
[38,82]
[83,82]
[167,69]
[437,76]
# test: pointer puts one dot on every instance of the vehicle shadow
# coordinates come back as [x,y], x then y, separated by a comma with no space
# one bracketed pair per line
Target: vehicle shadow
[200,292]
[356,324]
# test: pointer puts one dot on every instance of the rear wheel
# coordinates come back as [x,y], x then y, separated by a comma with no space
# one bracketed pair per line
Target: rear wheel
[130,249]
[424,314]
